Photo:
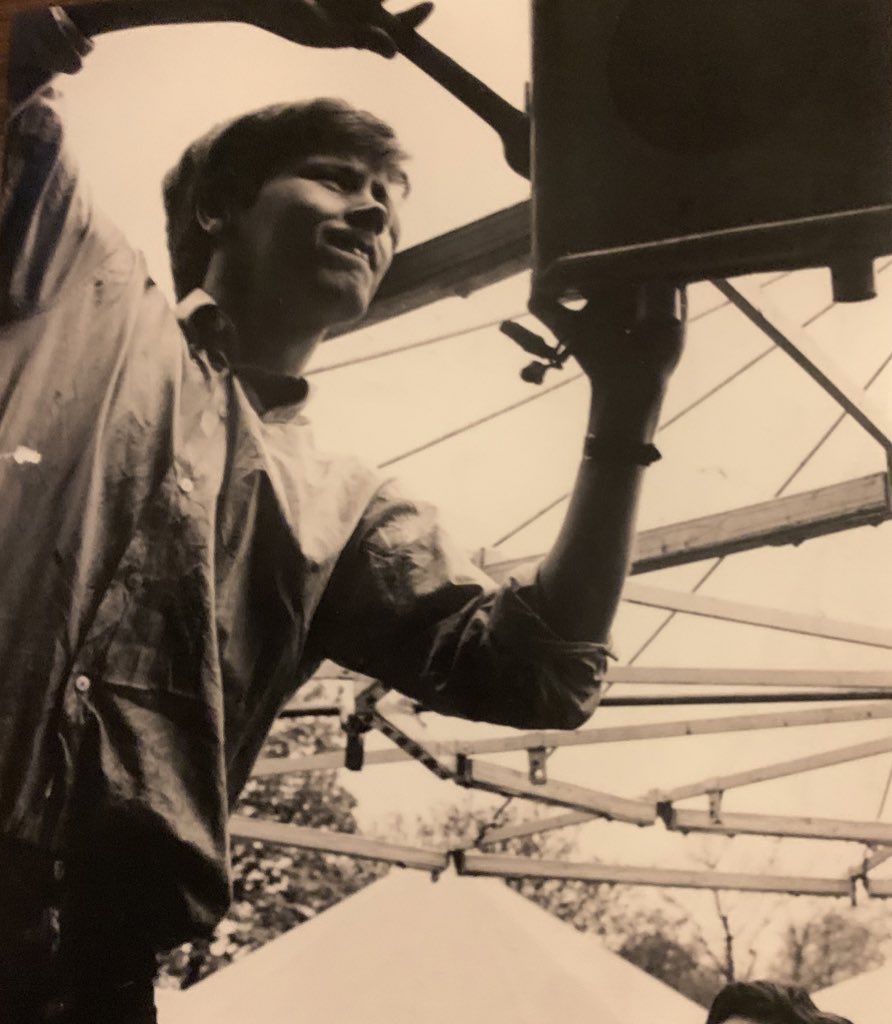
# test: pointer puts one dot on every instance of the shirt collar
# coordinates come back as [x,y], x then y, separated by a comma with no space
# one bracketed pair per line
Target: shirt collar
[207,327]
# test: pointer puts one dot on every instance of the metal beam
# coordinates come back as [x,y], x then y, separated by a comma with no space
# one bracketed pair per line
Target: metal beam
[782,769]
[336,842]
[333,760]
[778,825]
[525,867]
[756,615]
[791,520]
[803,350]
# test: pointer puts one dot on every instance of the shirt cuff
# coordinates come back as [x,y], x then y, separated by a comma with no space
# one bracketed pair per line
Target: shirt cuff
[539,633]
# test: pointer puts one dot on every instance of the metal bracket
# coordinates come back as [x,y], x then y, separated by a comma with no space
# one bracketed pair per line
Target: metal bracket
[538,757]
[715,806]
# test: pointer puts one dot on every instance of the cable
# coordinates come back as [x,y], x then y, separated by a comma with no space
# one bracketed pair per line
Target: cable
[415,344]
[540,393]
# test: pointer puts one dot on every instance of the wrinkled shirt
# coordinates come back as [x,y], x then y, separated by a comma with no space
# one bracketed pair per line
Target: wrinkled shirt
[178,558]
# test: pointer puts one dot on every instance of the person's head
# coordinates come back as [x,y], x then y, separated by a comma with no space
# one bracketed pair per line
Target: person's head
[764,1002]
[288,211]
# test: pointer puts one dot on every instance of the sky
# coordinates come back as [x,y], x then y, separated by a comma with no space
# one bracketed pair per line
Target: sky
[144,95]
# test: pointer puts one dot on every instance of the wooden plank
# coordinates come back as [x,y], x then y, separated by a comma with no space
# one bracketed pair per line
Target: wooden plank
[779,825]
[503,866]
[606,734]
[868,413]
[457,263]
[756,615]
[336,842]
[792,679]
[779,770]
[880,888]
[496,779]
[790,520]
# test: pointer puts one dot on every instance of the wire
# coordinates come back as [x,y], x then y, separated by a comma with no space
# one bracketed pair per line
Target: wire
[415,344]
[541,393]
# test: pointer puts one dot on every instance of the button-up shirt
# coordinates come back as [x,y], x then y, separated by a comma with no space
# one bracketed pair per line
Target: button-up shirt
[178,558]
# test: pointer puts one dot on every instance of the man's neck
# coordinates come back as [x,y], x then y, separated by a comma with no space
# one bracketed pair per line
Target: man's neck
[269,338]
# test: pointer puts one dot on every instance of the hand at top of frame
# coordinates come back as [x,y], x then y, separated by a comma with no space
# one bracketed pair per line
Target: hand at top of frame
[331,23]
[627,341]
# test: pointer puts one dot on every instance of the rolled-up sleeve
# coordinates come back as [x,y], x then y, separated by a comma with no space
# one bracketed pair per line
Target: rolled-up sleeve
[406,606]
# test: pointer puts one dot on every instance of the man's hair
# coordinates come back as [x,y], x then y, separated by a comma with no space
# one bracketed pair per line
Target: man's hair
[768,1003]
[226,168]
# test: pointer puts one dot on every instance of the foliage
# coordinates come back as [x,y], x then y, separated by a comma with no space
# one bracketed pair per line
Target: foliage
[647,929]
[830,947]
[276,887]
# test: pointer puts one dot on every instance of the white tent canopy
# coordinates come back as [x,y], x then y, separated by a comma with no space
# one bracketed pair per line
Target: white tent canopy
[864,999]
[407,949]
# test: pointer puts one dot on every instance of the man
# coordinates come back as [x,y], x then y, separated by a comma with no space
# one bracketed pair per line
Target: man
[178,559]
[765,1002]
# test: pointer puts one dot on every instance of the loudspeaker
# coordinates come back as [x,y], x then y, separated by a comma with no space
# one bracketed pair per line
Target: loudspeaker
[687,139]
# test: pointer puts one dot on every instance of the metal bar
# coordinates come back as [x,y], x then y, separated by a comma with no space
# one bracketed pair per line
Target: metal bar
[336,842]
[605,734]
[506,781]
[803,350]
[781,769]
[756,615]
[779,825]
[503,866]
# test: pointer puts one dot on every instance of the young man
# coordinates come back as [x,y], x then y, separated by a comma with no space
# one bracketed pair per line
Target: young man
[765,1002]
[178,559]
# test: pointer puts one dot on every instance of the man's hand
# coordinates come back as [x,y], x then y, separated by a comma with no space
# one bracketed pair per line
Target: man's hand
[330,23]
[627,354]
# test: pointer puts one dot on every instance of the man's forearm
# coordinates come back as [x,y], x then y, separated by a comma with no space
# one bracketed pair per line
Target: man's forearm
[582,577]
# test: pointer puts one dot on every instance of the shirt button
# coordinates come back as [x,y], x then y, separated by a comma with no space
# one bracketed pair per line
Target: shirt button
[185,484]
[82,684]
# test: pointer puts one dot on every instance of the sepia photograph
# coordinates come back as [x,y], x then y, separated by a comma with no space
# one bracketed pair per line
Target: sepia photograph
[444,491]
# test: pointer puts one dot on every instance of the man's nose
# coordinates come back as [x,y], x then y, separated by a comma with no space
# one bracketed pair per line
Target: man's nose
[369,215]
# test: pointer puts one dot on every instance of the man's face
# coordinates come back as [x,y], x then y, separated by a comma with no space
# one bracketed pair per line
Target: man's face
[318,238]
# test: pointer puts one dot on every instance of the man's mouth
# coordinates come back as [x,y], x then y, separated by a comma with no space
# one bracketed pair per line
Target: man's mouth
[358,247]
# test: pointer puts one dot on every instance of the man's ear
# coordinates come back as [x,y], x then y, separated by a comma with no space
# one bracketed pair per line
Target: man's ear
[211,223]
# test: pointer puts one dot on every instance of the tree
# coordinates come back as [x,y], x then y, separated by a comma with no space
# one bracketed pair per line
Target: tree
[647,928]
[275,887]
[830,947]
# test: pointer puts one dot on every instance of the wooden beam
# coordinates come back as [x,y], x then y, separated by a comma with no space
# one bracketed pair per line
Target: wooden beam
[457,263]
[880,888]
[507,782]
[785,678]
[779,825]
[789,520]
[336,842]
[502,866]
[779,770]
[859,502]
[868,413]
[756,615]
[333,760]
